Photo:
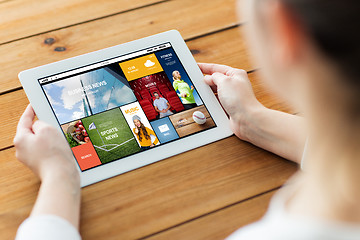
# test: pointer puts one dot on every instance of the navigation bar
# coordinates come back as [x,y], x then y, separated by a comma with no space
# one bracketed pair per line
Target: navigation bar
[103,63]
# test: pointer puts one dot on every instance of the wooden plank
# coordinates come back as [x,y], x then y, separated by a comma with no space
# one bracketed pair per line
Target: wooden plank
[13,104]
[220,224]
[22,18]
[226,47]
[117,29]
[155,197]
[19,188]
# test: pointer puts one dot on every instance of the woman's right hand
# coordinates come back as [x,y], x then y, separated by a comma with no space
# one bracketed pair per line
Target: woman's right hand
[235,94]
[136,130]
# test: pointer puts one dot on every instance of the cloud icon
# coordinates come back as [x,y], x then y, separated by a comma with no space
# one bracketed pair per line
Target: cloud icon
[149,63]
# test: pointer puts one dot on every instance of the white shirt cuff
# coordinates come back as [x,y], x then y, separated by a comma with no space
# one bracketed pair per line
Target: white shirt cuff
[47,227]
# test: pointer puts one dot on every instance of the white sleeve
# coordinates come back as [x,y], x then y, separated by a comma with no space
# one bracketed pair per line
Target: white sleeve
[47,227]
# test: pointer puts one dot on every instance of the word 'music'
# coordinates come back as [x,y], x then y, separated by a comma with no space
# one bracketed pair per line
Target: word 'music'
[131,110]
[86,88]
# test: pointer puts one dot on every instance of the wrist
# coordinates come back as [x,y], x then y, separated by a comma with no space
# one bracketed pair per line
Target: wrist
[246,123]
[66,174]
[60,195]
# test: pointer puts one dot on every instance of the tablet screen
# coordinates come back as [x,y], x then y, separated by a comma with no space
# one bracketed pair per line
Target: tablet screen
[122,106]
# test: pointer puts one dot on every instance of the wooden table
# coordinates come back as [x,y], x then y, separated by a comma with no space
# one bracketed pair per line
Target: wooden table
[205,193]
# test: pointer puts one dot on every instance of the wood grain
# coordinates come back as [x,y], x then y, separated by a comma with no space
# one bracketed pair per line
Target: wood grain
[91,36]
[226,47]
[220,224]
[185,125]
[155,197]
[23,18]
[187,115]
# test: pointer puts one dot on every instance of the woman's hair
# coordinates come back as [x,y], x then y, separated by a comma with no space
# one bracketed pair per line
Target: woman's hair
[143,129]
[334,27]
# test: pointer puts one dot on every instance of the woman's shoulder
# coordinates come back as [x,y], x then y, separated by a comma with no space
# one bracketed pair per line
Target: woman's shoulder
[279,224]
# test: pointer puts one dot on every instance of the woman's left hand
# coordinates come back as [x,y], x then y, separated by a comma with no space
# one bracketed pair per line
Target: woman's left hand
[42,148]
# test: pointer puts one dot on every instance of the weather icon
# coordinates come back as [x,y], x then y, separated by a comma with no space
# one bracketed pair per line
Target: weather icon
[149,63]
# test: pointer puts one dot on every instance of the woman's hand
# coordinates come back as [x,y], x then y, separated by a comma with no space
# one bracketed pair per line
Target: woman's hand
[136,130]
[278,132]
[43,149]
[235,94]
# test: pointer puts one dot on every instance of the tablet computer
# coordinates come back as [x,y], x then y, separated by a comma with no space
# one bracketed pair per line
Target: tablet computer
[127,106]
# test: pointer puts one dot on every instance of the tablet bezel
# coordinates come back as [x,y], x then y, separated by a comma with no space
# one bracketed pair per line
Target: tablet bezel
[29,80]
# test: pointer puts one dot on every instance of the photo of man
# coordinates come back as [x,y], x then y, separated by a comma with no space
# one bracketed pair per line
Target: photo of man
[162,106]
[185,91]
[180,80]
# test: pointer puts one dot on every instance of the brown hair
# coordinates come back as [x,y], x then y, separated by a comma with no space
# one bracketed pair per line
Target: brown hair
[143,129]
[334,27]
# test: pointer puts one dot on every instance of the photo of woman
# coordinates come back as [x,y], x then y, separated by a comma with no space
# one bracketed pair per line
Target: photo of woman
[185,91]
[143,134]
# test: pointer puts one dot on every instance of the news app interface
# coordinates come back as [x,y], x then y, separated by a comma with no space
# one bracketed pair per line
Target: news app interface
[121,106]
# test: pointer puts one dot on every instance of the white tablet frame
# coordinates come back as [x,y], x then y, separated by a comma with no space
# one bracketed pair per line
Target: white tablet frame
[29,80]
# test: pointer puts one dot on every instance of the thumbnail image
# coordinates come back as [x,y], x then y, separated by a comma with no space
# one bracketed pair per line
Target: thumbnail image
[110,135]
[164,130]
[87,94]
[75,133]
[80,144]
[140,126]
[192,121]
[156,96]
[179,78]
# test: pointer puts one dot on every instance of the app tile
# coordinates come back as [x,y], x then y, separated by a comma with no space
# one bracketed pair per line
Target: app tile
[110,135]
[75,133]
[140,67]
[192,121]
[87,94]
[140,126]
[164,130]
[86,156]
[156,96]
[179,78]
